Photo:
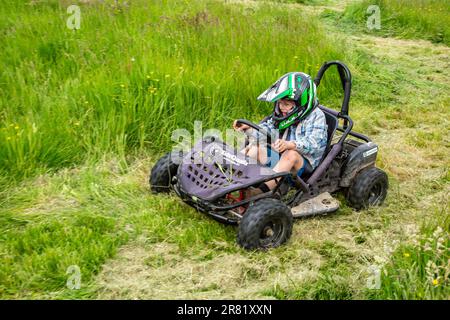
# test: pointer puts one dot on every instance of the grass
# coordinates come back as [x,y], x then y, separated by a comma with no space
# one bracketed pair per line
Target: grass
[418,19]
[80,217]
[305,2]
[36,258]
[419,270]
[124,81]
[84,114]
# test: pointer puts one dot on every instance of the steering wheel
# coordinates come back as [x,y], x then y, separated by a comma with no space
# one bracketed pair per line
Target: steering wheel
[256,127]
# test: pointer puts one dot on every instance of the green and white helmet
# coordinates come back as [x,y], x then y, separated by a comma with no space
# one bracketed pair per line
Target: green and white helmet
[296,86]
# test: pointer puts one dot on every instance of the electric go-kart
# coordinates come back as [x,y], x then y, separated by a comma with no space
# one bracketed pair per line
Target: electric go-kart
[214,177]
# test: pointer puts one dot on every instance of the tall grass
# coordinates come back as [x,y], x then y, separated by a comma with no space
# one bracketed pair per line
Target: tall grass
[423,19]
[137,70]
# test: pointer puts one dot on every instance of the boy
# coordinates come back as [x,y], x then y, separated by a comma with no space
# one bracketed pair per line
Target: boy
[301,125]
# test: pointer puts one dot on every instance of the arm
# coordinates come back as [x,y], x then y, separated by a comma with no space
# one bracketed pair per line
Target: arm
[314,137]
[266,125]
[267,129]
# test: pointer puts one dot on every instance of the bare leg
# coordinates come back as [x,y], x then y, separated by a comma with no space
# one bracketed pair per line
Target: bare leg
[290,160]
[257,152]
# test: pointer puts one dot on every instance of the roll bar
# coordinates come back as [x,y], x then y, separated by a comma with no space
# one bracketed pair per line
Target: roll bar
[346,81]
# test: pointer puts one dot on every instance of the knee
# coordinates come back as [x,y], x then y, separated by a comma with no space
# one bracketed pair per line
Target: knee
[292,156]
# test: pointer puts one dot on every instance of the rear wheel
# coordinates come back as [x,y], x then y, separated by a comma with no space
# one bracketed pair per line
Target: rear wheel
[267,223]
[162,173]
[369,188]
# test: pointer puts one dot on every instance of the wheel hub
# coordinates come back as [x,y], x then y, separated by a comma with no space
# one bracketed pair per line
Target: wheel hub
[268,232]
[375,194]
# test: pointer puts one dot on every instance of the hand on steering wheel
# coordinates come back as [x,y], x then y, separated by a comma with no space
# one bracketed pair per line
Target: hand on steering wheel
[240,126]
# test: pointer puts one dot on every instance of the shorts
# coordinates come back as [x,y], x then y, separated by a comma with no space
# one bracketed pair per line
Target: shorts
[273,158]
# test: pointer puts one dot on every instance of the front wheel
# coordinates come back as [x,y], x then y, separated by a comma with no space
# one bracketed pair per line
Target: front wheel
[162,173]
[267,223]
[369,188]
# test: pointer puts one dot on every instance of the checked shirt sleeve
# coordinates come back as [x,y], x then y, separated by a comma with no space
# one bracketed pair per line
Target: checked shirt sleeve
[311,141]
[267,125]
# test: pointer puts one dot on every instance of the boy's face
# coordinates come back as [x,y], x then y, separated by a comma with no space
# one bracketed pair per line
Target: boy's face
[286,106]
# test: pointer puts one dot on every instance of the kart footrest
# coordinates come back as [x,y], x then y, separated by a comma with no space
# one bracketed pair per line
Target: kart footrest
[322,204]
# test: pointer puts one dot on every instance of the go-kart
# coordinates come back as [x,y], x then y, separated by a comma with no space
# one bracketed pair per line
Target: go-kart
[214,177]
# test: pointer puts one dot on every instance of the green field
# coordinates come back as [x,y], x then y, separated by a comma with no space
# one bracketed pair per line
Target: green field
[85,113]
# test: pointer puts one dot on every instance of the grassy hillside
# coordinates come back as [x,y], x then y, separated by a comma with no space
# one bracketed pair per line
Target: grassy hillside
[84,114]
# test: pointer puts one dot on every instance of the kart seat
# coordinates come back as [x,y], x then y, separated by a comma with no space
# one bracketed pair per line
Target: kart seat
[332,123]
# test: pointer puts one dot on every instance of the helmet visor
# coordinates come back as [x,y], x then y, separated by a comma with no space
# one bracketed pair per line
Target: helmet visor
[280,89]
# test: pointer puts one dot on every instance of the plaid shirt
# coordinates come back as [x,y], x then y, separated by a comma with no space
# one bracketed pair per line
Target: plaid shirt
[310,135]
